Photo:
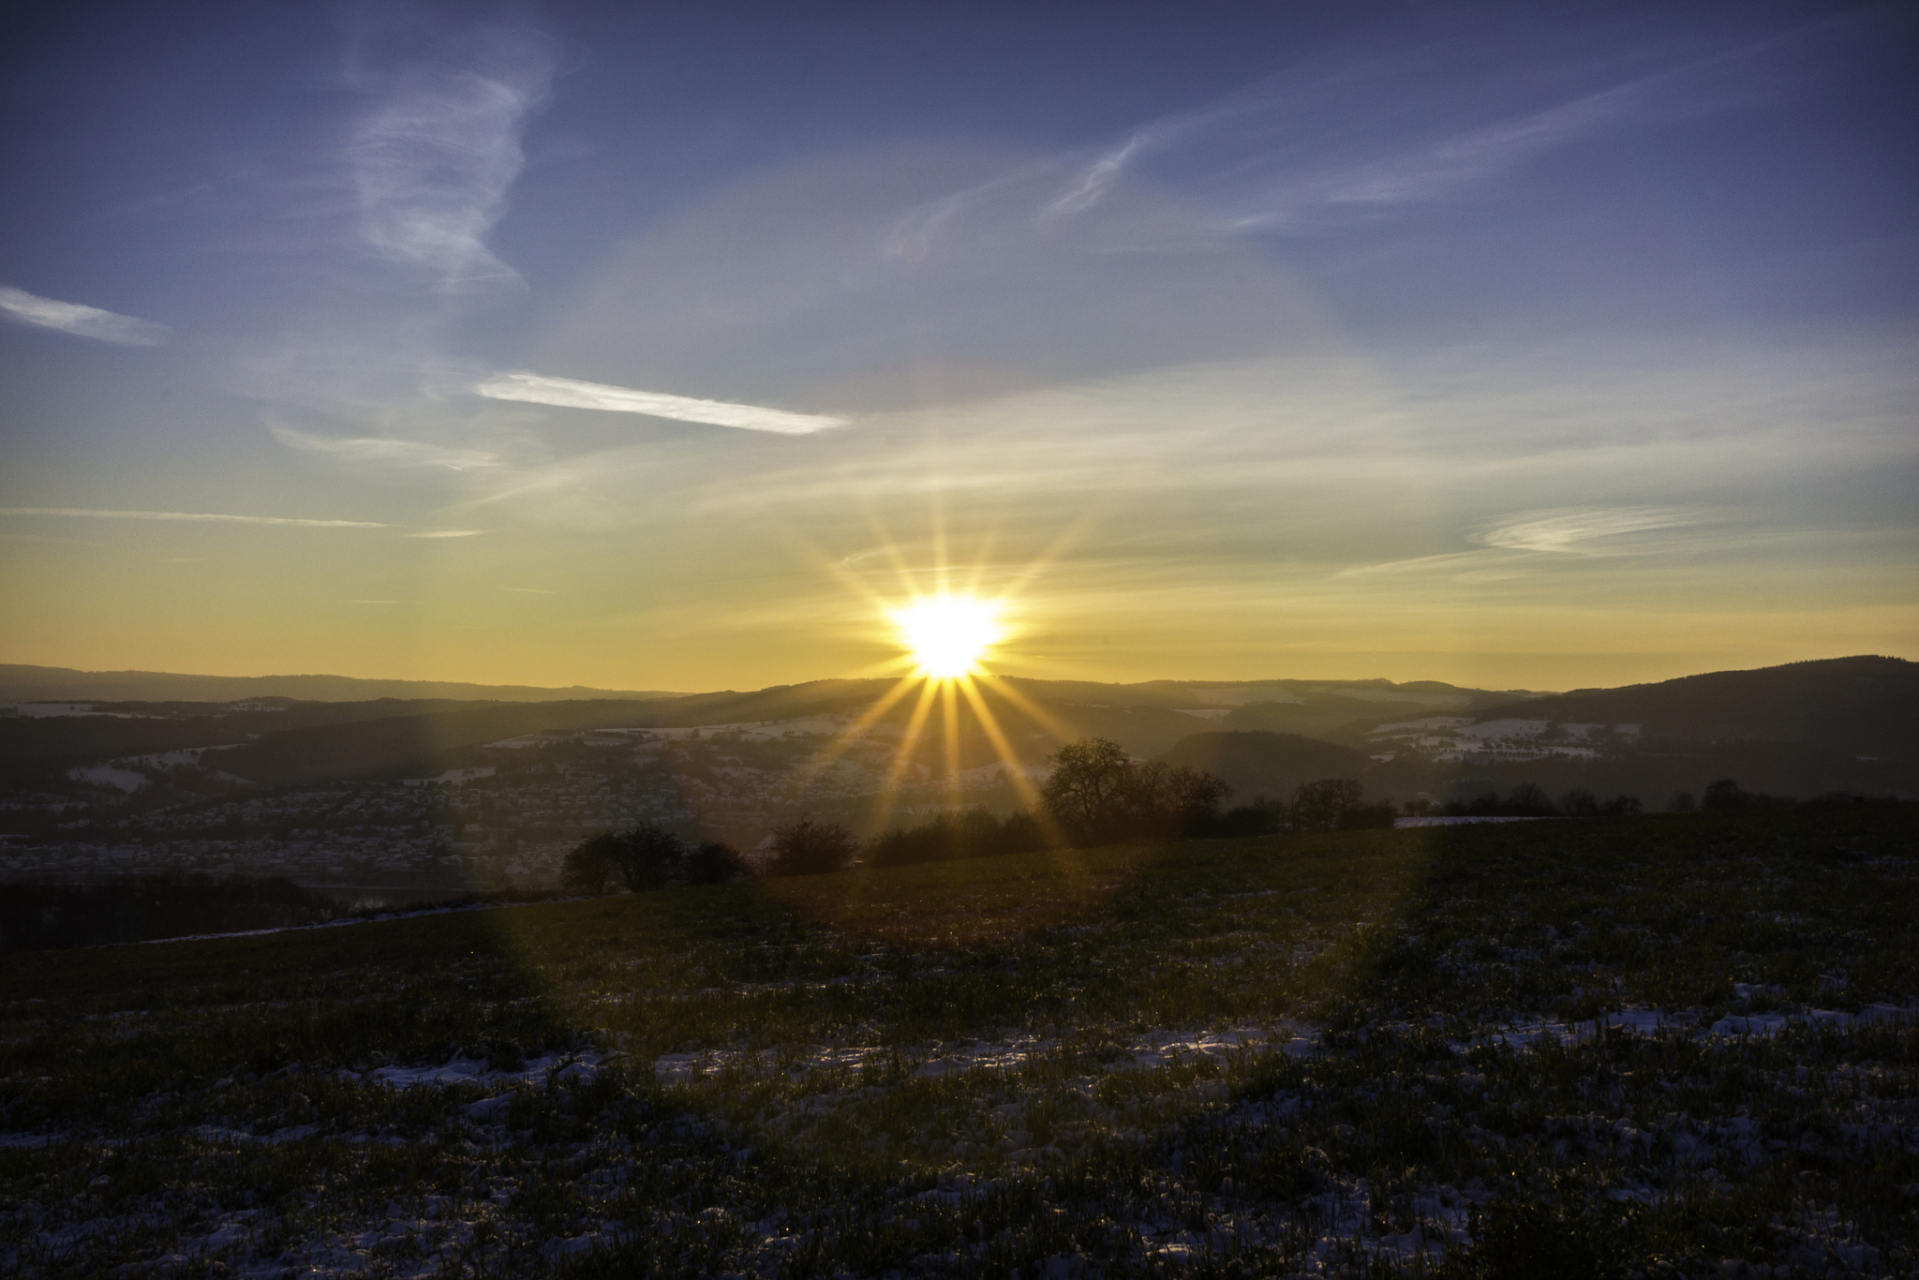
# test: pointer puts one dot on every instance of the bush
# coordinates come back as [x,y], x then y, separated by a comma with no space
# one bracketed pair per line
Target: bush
[715,863]
[1726,796]
[975,833]
[646,857]
[1244,820]
[589,868]
[807,848]
[1368,817]
[1529,801]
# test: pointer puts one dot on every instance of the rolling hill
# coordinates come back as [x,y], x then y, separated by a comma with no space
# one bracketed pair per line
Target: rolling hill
[1268,764]
[1866,706]
[62,684]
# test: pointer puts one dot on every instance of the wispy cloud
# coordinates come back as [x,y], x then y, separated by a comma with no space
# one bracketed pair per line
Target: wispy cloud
[1576,530]
[1325,141]
[381,450]
[432,164]
[566,393]
[1094,180]
[448,533]
[88,513]
[79,320]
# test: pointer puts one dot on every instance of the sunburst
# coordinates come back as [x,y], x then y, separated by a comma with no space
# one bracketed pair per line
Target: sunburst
[948,635]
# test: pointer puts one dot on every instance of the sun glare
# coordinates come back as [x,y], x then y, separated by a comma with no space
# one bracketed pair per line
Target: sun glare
[947,634]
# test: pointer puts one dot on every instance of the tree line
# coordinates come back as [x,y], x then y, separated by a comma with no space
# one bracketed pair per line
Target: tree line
[1096,794]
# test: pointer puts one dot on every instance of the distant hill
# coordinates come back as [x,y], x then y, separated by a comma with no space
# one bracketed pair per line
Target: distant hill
[1865,706]
[1328,715]
[1375,697]
[1826,717]
[62,684]
[1269,764]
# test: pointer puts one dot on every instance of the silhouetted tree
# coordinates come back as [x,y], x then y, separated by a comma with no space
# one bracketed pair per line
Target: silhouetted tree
[1318,806]
[1579,803]
[1182,797]
[1086,791]
[807,848]
[1529,801]
[1097,794]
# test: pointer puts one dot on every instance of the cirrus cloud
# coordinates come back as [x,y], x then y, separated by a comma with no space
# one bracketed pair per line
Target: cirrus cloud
[566,393]
[80,320]
[1574,530]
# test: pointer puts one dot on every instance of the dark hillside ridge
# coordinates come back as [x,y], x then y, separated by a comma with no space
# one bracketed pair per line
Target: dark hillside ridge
[404,745]
[62,684]
[1268,764]
[1866,706]
[1327,715]
[129,728]
[1421,695]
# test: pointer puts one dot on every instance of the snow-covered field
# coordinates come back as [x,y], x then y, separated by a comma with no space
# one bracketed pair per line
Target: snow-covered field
[1572,1046]
[1452,739]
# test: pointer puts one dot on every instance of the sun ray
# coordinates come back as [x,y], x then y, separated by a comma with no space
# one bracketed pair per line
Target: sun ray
[1032,710]
[845,739]
[909,742]
[950,710]
[1015,769]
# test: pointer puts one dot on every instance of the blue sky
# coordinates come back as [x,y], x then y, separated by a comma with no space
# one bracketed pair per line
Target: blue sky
[1522,345]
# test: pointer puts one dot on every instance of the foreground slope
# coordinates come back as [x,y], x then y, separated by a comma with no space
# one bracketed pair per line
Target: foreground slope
[1554,1048]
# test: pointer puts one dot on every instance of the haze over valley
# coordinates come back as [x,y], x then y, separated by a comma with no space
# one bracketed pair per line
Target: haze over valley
[396,798]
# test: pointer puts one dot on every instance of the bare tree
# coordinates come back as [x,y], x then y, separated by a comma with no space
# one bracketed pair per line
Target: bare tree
[1086,791]
[1320,806]
[807,848]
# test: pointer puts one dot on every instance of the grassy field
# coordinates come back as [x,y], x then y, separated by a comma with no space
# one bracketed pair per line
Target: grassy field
[1659,1046]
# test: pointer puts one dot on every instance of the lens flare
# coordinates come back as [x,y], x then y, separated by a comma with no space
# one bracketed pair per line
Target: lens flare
[947,634]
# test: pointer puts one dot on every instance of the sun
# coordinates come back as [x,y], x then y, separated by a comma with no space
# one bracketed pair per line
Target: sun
[947,634]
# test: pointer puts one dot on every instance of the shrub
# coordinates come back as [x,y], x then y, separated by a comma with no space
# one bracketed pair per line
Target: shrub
[715,863]
[589,867]
[1726,795]
[647,856]
[975,833]
[1368,817]
[1244,820]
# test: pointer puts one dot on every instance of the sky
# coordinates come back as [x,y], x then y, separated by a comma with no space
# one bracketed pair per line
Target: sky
[669,347]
